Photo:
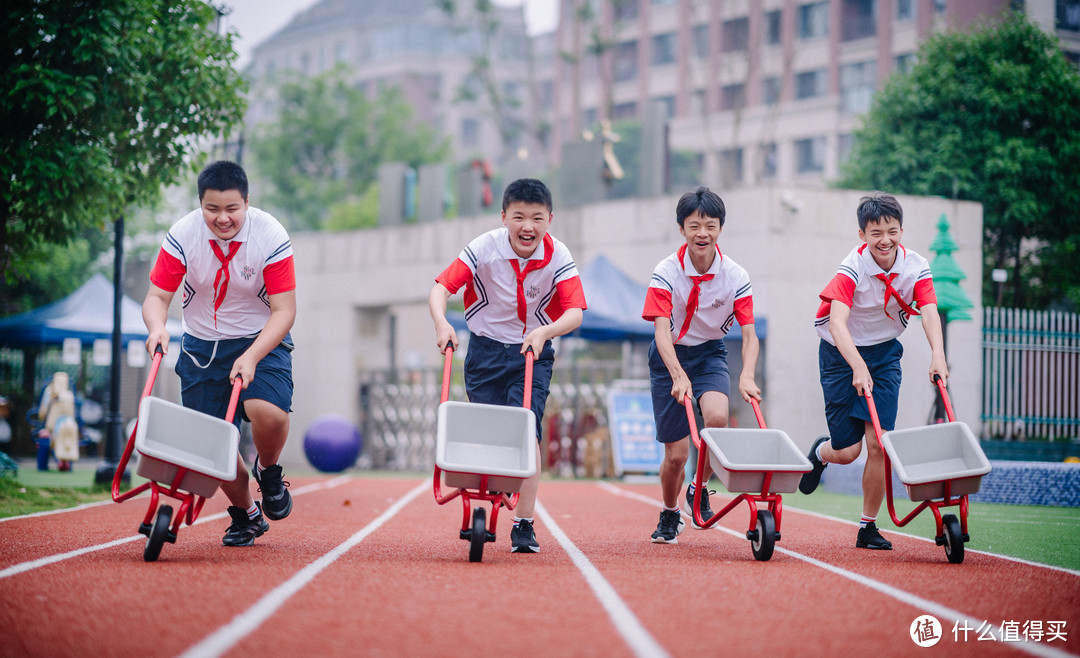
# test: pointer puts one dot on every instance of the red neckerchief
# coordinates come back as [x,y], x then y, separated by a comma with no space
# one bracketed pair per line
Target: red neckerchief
[222,275]
[530,265]
[887,279]
[695,291]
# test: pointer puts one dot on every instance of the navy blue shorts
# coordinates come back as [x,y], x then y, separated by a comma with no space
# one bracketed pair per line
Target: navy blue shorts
[705,365]
[204,367]
[846,410]
[495,374]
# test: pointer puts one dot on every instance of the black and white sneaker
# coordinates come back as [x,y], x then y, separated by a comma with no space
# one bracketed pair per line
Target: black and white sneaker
[243,531]
[523,538]
[869,537]
[276,501]
[669,528]
[703,501]
[810,480]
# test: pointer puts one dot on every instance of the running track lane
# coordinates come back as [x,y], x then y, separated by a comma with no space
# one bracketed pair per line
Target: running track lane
[407,587]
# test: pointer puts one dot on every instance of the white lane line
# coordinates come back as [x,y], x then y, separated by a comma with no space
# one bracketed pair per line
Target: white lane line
[23,567]
[640,641]
[246,622]
[931,607]
[59,511]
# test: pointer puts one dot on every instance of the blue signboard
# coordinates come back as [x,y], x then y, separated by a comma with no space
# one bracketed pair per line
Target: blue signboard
[633,432]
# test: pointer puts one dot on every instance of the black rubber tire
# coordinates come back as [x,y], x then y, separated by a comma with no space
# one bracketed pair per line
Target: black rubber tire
[954,539]
[159,533]
[479,535]
[763,545]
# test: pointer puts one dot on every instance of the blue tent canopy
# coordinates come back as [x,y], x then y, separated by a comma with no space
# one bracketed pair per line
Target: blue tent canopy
[615,303]
[86,314]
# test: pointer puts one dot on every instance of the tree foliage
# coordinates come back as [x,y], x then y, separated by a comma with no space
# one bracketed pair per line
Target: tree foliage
[327,143]
[104,102]
[989,115]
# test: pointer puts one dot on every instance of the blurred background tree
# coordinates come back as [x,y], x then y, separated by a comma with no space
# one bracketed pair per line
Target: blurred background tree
[320,157]
[991,115]
[104,102]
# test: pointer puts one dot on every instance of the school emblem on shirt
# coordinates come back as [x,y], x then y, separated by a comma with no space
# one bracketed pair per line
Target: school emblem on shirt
[533,292]
[717,303]
[247,272]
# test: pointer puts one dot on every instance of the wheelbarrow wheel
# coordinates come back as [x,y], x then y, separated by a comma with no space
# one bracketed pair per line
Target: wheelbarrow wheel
[762,545]
[478,536]
[159,533]
[954,539]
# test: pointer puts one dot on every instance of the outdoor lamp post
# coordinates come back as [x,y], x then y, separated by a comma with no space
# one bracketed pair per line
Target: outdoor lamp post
[114,422]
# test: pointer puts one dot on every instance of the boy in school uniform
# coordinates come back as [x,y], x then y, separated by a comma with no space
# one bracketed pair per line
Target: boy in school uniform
[521,290]
[694,296]
[865,307]
[236,266]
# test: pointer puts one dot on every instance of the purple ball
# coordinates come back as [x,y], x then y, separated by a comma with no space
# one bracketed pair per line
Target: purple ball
[332,443]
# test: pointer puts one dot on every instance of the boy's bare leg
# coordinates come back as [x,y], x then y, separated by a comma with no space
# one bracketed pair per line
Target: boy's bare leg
[873,480]
[672,470]
[269,429]
[529,487]
[237,491]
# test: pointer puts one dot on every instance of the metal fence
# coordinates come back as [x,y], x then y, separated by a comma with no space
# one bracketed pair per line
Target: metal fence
[1031,374]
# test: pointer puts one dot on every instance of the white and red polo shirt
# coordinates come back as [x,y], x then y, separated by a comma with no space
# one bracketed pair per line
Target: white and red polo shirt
[232,301]
[506,296]
[724,297]
[877,313]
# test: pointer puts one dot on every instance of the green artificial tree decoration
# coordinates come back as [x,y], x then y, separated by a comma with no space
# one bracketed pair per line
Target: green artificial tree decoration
[953,302]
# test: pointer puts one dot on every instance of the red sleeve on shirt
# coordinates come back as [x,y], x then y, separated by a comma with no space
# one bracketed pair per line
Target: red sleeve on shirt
[924,293]
[570,293]
[657,304]
[455,276]
[168,272]
[744,310]
[841,289]
[280,276]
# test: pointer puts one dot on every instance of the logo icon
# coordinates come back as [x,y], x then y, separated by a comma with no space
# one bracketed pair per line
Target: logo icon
[925,631]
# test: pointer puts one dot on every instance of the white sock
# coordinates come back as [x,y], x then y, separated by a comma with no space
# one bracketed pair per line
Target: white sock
[818,452]
[252,511]
[671,509]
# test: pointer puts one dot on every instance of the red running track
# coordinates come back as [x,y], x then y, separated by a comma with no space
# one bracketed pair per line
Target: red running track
[372,566]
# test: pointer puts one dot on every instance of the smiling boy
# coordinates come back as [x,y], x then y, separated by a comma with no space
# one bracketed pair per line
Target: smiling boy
[865,307]
[236,266]
[694,296]
[521,290]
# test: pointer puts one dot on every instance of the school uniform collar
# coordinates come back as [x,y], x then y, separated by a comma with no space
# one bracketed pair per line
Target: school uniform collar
[241,236]
[543,251]
[688,266]
[874,269]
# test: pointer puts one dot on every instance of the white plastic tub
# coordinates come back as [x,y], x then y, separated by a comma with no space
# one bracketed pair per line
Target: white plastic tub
[926,457]
[485,439]
[742,457]
[171,436]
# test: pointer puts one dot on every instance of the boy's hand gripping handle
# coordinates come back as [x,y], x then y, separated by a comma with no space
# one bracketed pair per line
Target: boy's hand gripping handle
[945,398]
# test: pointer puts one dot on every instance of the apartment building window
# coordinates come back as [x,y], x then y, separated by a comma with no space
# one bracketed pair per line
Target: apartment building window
[767,153]
[663,49]
[772,27]
[770,90]
[858,19]
[735,35]
[547,93]
[844,143]
[857,84]
[906,10]
[810,155]
[625,10]
[732,97]
[701,41]
[810,84]
[1068,15]
[813,20]
[589,118]
[939,6]
[626,61]
[341,51]
[470,132]
[731,165]
[904,62]
[669,105]
[624,111]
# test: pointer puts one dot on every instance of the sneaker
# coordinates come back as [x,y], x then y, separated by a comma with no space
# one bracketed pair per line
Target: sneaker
[523,538]
[243,530]
[869,537]
[671,526]
[276,501]
[809,481]
[706,511]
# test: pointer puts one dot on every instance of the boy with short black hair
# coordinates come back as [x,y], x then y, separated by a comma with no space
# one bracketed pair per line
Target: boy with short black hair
[694,297]
[865,307]
[236,265]
[521,290]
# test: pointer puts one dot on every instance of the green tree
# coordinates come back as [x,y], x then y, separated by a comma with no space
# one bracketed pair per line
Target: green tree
[990,115]
[104,102]
[327,143]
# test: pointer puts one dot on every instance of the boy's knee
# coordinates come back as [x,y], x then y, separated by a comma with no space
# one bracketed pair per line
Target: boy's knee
[715,419]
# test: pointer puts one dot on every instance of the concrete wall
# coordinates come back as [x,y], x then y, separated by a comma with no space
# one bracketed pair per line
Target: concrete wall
[353,288]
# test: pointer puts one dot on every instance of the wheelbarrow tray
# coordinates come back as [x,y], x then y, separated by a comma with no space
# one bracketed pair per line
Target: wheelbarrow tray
[485,439]
[925,458]
[170,437]
[741,458]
